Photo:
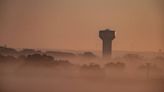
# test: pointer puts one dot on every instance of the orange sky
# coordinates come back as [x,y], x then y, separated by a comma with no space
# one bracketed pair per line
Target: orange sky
[74,24]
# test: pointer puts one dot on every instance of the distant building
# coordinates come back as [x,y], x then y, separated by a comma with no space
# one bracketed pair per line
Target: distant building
[107,36]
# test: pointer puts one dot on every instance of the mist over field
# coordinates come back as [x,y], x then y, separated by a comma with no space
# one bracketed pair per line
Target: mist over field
[84,72]
[66,46]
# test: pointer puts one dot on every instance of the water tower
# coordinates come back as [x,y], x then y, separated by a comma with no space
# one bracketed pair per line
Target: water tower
[107,36]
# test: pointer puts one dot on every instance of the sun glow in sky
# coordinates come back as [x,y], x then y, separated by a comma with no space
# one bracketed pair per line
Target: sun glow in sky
[74,24]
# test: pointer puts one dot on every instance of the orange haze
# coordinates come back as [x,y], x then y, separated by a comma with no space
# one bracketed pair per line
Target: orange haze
[74,24]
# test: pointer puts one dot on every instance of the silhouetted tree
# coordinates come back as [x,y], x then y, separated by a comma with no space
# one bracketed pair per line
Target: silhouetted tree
[149,66]
[60,54]
[117,65]
[88,55]
[64,63]
[29,52]
[133,57]
[8,51]
[92,66]
[39,57]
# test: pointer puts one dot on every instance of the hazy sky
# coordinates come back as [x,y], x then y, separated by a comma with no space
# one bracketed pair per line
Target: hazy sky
[74,24]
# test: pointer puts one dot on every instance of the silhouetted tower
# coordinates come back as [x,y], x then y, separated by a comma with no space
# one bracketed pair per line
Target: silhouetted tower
[107,36]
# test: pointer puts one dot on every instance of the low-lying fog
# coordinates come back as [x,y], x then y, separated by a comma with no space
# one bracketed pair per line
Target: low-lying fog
[129,73]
